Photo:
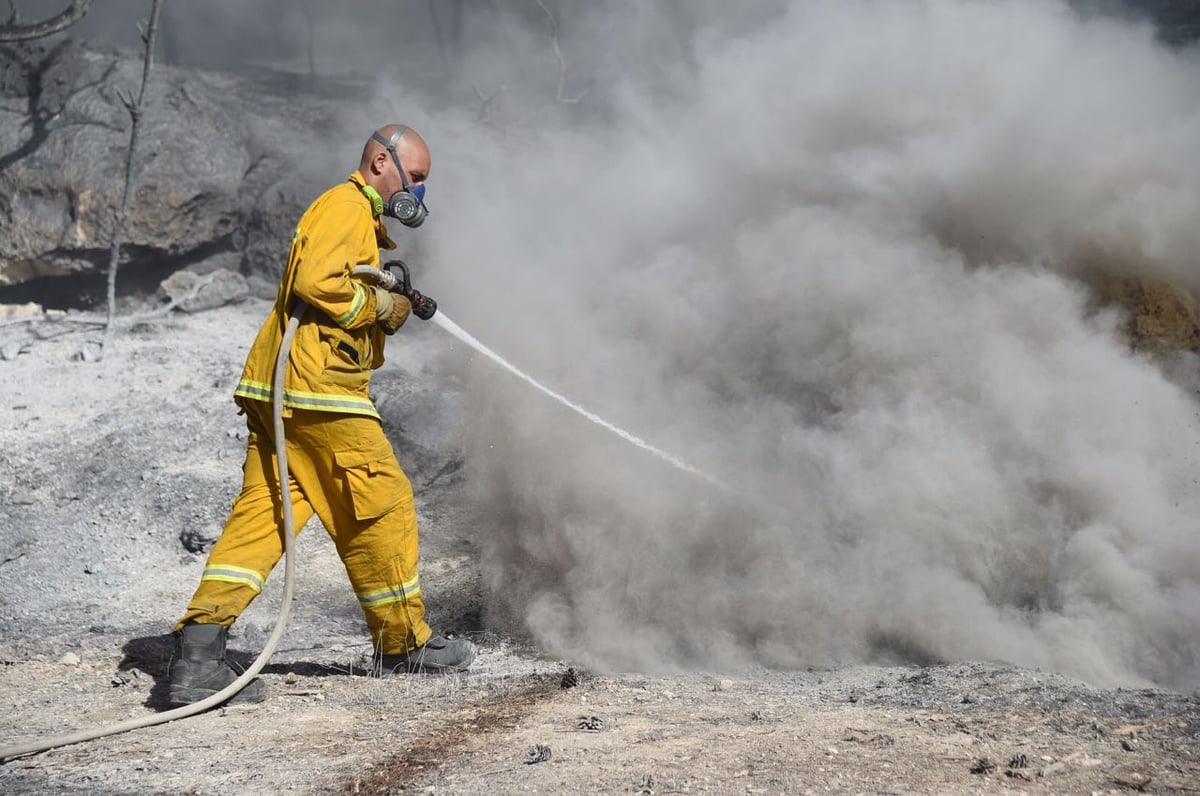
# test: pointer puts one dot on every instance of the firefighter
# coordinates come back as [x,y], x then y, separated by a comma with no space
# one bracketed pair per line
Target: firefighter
[342,467]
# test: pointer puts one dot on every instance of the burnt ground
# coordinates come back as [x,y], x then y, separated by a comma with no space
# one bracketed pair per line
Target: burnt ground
[109,468]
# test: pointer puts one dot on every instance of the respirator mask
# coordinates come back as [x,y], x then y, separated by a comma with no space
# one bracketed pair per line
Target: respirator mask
[408,204]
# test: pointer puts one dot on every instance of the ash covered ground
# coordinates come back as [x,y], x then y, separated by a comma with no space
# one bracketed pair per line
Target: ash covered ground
[111,467]
[913,283]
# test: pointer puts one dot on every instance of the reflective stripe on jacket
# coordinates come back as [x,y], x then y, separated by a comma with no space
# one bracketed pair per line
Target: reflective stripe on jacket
[337,344]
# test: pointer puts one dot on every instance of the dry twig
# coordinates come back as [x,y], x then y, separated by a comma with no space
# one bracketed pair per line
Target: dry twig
[562,62]
[135,109]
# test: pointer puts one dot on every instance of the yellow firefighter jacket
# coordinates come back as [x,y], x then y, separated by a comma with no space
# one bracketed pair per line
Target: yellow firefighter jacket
[337,344]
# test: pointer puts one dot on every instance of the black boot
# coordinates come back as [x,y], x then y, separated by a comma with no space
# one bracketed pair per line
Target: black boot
[199,669]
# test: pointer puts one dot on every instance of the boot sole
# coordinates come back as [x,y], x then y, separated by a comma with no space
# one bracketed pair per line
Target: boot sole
[428,668]
[180,696]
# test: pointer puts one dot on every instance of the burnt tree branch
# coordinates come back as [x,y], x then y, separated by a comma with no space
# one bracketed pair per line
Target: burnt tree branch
[12,31]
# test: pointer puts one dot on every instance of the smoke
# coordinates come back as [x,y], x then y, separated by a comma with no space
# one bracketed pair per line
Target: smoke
[838,255]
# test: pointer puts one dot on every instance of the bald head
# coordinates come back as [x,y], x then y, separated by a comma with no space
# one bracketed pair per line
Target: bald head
[379,168]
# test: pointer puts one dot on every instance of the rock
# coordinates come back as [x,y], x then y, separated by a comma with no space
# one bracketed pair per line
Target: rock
[70,659]
[222,176]
[722,685]
[1053,770]
[589,723]
[537,754]
[89,352]
[196,293]
[12,312]
[199,540]
[1134,780]
[125,678]
[12,350]
[261,287]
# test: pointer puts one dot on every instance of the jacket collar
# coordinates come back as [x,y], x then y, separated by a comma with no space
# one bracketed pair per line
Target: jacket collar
[381,233]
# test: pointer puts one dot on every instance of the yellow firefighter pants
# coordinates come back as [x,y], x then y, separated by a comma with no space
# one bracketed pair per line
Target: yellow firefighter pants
[342,468]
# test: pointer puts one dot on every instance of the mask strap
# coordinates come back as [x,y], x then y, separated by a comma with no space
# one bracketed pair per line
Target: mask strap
[391,148]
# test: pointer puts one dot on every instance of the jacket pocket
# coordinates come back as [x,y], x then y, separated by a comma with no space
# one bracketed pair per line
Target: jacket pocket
[344,358]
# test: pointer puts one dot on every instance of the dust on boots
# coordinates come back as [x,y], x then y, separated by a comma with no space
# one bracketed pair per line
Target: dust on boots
[199,669]
[439,654]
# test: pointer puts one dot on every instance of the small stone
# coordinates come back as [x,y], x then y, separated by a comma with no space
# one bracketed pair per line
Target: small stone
[199,540]
[831,751]
[590,723]
[722,685]
[90,352]
[537,754]
[291,678]
[1134,780]
[70,659]
[1127,745]
[1053,769]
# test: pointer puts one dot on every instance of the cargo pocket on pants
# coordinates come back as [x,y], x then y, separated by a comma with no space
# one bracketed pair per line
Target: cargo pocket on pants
[374,481]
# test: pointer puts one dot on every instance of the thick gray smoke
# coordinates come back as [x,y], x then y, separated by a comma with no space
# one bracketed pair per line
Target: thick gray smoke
[838,255]
[837,258]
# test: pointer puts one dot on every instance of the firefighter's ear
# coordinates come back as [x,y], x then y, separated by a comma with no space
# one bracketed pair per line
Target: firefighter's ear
[375,199]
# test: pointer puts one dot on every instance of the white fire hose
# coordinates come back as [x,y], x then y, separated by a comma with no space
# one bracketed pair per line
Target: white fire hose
[285,609]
